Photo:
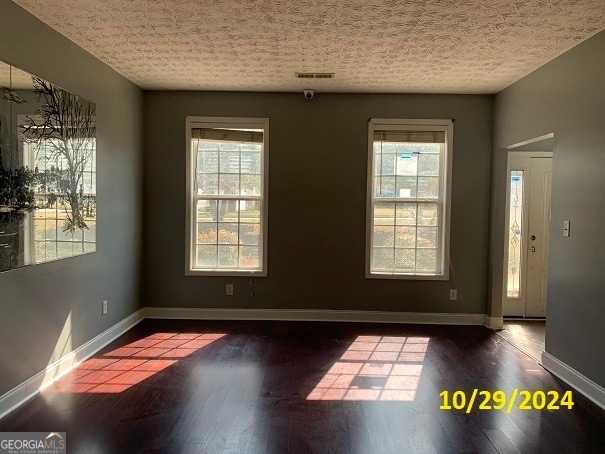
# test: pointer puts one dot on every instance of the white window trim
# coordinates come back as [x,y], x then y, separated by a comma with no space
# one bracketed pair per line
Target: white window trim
[419,125]
[252,123]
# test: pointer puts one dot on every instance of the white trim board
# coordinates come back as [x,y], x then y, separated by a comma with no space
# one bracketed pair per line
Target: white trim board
[495,323]
[32,386]
[550,135]
[575,379]
[314,315]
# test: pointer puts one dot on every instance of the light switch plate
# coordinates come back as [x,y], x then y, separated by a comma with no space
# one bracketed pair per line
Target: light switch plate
[565,228]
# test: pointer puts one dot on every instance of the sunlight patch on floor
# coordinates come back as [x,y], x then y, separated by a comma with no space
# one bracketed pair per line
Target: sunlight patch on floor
[378,368]
[118,370]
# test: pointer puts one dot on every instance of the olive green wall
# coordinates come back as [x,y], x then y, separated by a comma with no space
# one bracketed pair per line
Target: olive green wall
[50,309]
[566,97]
[317,202]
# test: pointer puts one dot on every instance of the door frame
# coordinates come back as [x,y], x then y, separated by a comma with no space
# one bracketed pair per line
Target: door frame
[523,265]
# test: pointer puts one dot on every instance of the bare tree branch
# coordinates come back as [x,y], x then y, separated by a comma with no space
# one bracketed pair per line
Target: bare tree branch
[65,126]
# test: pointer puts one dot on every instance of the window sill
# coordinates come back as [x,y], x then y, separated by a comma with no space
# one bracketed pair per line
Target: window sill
[226,273]
[408,276]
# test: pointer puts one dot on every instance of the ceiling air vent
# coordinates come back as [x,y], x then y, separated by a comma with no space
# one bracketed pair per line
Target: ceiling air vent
[315,75]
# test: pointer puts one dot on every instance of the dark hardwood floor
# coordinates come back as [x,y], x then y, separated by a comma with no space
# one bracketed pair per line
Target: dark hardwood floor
[277,387]
[527,335]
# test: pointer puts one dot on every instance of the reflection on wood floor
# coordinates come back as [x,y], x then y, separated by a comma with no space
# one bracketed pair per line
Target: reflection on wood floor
[276,387]
[526,335]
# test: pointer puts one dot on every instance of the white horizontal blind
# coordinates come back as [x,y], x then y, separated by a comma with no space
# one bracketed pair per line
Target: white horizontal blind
[407,225]
[227,135]
[409,136]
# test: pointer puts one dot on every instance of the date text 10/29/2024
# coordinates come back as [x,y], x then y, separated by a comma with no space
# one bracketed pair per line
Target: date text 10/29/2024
[500,400]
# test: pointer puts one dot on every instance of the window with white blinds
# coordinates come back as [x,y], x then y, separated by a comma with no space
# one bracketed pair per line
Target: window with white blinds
[409,179]
[227,203]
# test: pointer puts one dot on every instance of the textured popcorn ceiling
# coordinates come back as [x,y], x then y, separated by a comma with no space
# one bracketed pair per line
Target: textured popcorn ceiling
[439,46]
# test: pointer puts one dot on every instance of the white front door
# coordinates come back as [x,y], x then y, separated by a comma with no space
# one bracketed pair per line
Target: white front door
[528,221]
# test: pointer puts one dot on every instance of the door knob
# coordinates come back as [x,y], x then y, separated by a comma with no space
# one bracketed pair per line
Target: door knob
[532,249]
[533,237]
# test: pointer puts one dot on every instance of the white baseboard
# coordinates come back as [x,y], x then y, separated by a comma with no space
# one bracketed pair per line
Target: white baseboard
[313,315]
[572,377]
[496,323]
[29,388]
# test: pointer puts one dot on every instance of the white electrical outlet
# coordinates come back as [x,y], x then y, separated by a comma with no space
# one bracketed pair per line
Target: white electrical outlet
[453,294]
[104,307]
[229,289]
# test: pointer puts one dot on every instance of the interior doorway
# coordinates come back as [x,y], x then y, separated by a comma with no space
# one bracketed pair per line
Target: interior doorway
[524,296]
[527,239]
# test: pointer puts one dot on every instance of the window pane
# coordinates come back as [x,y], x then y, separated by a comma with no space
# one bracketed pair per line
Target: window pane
[427,237]
[382,259]
[206,210]
[250,212]
[428,164]
[206,256]
[406,187]
[384,214]
[405,237]
[206,233]
[75,237]
[428,187]
[228,256]
[428,214]
[405,259]
[40,251]
[66,249]
[40,229]
[50,249]
[207,162]
[383,235]
[251,185]
[406,214]
[384,187]
[229,184]
[229,162]
[426,259]
[207,183]
[515,234]
[249,234]
[249,256]
[228,233]
[387,163]
[251,161]
[228,209]
[90,234]
[407,164]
